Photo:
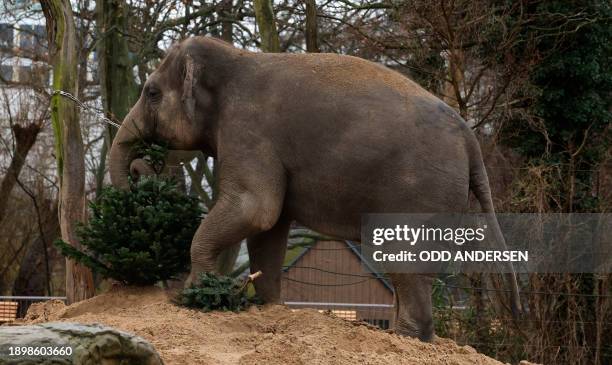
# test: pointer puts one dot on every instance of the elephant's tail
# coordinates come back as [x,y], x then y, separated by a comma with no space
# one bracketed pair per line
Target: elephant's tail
[479,185]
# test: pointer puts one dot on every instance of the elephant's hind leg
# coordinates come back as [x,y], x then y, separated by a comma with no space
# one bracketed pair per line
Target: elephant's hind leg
[266,253]
[413,315]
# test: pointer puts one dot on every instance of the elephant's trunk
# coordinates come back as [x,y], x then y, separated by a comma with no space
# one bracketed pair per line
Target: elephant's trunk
[122,153]
[140,167]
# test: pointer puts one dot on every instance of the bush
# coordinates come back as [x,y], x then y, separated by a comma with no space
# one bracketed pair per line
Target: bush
[138,237]
[216,292]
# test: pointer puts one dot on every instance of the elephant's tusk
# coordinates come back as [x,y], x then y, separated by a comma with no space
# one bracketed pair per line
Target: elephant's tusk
[250,278]
[255,276]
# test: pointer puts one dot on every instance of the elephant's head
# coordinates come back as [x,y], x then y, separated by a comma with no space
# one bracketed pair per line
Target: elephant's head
[178,105]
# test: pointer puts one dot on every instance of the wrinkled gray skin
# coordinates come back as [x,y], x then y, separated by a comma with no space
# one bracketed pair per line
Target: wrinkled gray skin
[315,138]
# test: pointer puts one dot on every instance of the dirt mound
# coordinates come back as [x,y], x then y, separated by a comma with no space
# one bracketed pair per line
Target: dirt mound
[268,335]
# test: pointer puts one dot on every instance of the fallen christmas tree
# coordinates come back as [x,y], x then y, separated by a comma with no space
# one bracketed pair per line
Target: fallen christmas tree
[216,292]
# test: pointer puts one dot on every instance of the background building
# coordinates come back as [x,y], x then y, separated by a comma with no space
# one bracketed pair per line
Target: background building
[332,275]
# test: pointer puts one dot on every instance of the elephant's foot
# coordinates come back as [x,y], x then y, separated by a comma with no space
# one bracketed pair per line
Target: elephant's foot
[423,330]
[268,291]
[266,254]
[189,280]
[196,270]
[413,316]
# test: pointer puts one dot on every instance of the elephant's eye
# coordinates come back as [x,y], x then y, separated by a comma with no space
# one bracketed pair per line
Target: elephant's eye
[153,93]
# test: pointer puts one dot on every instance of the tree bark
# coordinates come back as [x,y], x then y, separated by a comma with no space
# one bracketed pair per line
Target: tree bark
[32,278]
[117,82]
[312,44]
[68,140]
[24,140]
[266,22]
[118,87]
[227,27]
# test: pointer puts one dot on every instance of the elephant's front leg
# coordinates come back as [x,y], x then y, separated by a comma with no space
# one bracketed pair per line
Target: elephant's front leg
[266,254]
[235,216]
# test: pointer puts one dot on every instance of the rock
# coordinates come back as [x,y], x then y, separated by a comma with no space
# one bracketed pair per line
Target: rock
[73,343]
[45,311]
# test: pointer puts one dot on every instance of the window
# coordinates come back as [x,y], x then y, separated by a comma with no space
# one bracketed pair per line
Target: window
[6,72]
[6,35]
[26,37]
[24,74]
[32,37]
[350,315]
[41,34]
[40,76]
[35,75]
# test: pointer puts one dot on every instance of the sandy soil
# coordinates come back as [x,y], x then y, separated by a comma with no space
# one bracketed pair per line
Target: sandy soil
[268,335]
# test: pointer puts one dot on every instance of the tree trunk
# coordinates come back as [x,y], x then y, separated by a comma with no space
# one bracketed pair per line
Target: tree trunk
[117,82]
[24,140]
[119,90]
[227,27]
[68,140]
[32,278]
[264,14]
[312,44]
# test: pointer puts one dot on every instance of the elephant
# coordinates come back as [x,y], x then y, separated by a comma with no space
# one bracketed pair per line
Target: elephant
[318,139]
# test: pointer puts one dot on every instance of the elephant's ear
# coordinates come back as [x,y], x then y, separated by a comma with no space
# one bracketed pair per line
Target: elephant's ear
[188,85]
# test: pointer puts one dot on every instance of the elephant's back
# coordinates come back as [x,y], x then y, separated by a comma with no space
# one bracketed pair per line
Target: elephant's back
[339,71]
[354,86]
